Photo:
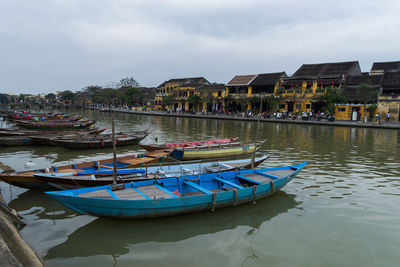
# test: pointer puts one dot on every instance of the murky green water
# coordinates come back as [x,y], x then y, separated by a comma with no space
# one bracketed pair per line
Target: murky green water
[342,210]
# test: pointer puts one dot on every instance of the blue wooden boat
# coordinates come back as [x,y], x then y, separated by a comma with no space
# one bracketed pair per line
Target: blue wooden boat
[178,195]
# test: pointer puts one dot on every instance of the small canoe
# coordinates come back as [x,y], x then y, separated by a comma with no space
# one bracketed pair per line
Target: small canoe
[20,132]
[178,195]
[16,141]
[25,139]
[187,144]
[74,180]
[26,179]
[99,141]
[216,150]
[54,125]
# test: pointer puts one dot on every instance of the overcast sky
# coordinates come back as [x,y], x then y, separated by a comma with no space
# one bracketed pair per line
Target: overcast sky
[53,45]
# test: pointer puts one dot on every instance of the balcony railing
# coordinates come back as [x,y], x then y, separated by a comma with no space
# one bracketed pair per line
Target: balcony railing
[238,95]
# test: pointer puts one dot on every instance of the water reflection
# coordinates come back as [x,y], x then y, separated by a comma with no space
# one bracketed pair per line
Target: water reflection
[113,237]
[35,202]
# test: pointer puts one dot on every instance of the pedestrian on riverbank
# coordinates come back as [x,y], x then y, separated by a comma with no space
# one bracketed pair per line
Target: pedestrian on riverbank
[388,116]
[378,118]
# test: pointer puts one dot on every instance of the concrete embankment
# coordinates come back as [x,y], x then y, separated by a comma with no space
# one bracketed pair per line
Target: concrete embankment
[382,125]
[13,249]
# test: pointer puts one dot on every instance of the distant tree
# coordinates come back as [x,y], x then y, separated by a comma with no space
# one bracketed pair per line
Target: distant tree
[194,100]
[169,100]
[21,98]
[134,96]
[207,97]
[51,98]
[128,82]
[4,99]
[67,96]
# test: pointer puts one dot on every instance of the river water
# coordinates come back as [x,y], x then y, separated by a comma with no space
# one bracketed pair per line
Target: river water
[343,209]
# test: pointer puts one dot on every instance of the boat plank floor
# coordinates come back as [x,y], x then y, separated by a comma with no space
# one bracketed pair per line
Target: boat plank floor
[135,161]
[280,173]
[128,193]
[97,194]
[153,192]
[258,178]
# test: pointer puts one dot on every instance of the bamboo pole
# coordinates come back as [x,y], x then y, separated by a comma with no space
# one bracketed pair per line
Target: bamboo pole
[114,149]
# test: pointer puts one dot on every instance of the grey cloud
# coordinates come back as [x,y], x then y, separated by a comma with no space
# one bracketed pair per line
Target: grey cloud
[56,45]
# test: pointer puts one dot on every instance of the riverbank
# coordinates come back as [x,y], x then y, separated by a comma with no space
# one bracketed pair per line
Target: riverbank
[14,251]
[371,124]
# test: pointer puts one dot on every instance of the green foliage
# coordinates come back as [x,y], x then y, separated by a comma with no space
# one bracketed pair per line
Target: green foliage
[371,111]
[332,96]
[169,100]
[194,99]
[133,96]
[128,82]
[255,99]
[66,95]
[4,99]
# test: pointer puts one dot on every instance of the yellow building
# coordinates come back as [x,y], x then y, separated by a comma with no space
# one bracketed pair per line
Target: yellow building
[389,97]
[180,94]
[252,92]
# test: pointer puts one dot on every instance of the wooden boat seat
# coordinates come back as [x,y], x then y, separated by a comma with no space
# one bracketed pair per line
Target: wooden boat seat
[153,192]
[226,182]
[257,177]
[280,173]
[129,193]
[198,187]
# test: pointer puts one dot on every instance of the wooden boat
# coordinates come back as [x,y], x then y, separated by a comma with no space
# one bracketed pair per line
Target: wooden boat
[186,144]
[41,125]
[99,141]
[74,180]
[26,179]
[24,132]
[34,139]
[179,195]
[16,141]
[215,150]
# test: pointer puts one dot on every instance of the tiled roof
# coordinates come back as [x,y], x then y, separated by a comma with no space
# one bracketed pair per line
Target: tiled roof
[213,87]
[353,95]
[193,85]
[365,78]
[241,80]
[338,68]
[386,66]
[194,80]
[391,78]
[268,78]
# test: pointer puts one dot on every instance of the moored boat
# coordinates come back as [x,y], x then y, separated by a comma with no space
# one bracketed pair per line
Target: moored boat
[152,147]
[26,179]
[178,195]
[216,150]
[99,141]
[159,170]
[63,125]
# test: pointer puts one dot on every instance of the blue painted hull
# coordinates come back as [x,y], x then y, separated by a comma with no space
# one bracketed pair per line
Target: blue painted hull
[175,205]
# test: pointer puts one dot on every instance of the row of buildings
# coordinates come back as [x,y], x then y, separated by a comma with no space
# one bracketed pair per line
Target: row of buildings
[307,90]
